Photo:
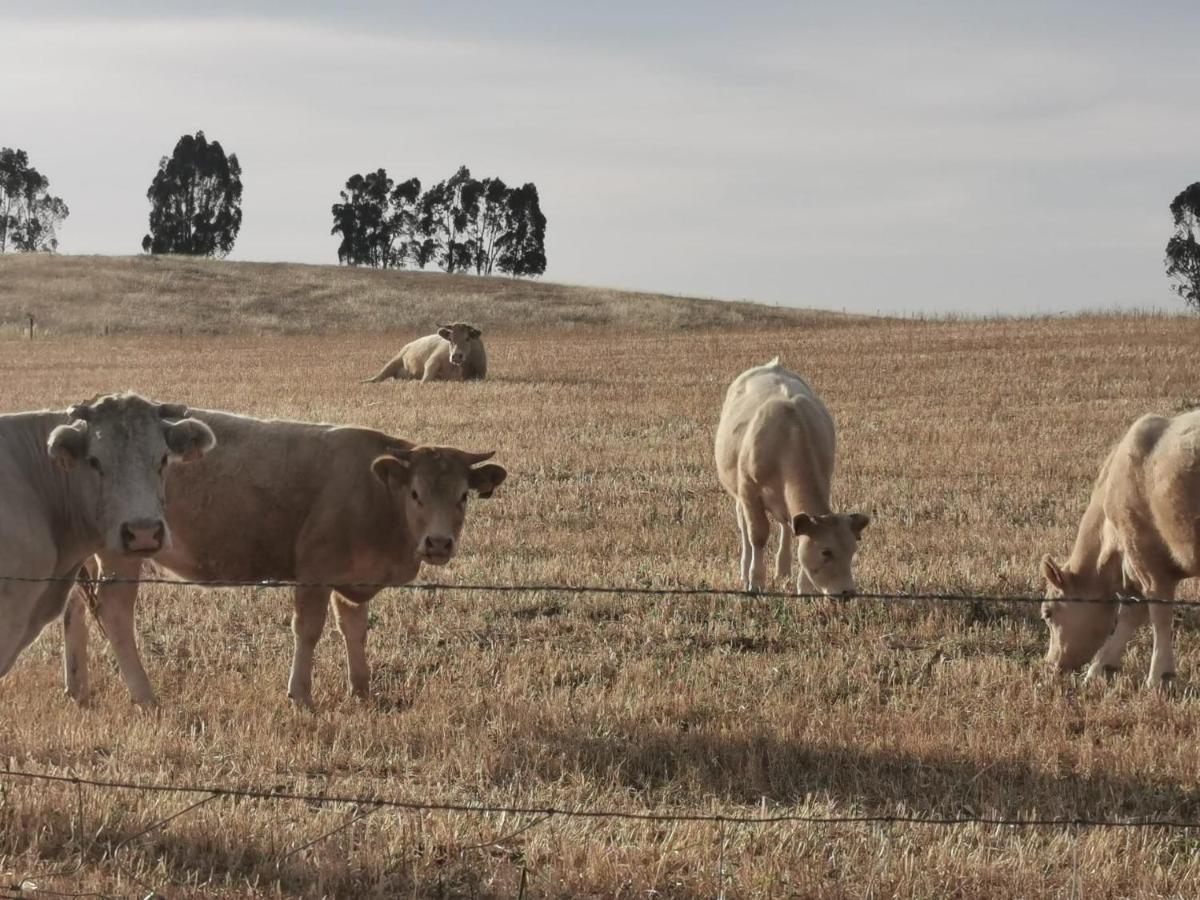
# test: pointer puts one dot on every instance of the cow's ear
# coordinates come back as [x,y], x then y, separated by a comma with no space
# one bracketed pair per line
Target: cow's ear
[79,411]
[475,333]
[67,444]
[858,522]
[189,439]
[803,523]
[485,479]
[1053,574]
[390,469]
[444,332]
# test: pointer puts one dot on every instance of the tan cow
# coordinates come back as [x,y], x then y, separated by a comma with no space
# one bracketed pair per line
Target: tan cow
[775,453]
[305,502]
[73,484]
[1140,536]
[454,353]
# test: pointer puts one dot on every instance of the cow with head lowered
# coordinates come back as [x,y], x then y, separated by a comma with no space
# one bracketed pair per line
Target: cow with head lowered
[340,510]
[77,483]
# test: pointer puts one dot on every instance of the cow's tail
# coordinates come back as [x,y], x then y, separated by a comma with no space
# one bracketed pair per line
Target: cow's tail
[87,589]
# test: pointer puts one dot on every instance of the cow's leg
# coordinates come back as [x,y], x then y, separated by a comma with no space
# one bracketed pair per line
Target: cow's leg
[759,528]
[75,646]
[352,623]
[308,621]
[1130,618]
[744,534]
[29,553]
[1162,660]
[116,602]
[783,561]
[22,604]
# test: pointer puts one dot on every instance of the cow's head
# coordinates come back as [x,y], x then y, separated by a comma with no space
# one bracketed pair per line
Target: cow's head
[826,549]
[432,485]
[121,444]
[460,335]
[1077,630]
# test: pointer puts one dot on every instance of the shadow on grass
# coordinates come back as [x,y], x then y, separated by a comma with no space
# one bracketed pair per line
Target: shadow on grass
[747,768]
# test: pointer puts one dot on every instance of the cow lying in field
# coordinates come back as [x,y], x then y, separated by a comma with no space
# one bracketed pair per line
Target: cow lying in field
[77,483]
[454,353]
[775,454]
[1140,536]
[304,502]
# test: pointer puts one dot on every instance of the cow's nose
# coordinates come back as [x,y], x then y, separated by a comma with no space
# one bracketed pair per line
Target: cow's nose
[439,546]
[456,358]
[143,535]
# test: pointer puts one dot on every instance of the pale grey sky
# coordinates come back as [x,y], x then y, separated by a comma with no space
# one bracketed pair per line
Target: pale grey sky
[953,156]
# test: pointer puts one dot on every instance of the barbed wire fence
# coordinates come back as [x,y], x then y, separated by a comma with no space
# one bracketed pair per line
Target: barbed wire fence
[364,806]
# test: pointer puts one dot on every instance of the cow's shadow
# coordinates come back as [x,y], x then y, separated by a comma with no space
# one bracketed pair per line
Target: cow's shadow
[758,765]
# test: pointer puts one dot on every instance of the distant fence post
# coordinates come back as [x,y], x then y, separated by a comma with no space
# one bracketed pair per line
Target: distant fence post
[30,325]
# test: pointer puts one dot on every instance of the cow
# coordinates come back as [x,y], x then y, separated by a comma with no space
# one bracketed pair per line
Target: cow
[317,504]
[1139,537]
[775,454]
[77,483]
[454,353]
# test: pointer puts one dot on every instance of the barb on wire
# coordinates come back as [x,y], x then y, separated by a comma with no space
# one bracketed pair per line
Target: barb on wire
[550,811]
[600,589]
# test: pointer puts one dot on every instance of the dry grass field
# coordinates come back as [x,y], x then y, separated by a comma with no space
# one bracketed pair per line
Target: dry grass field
[973,445]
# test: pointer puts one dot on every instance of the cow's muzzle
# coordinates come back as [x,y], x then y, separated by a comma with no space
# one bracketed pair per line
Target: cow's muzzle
[143,536]
[437,550]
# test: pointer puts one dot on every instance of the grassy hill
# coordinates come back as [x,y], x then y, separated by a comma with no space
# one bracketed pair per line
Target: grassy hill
[172,295]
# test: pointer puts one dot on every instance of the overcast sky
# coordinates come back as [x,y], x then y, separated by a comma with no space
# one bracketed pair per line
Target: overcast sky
[852,155]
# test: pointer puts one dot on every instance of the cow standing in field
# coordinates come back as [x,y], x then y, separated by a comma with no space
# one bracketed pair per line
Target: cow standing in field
[299,502]
[775,453]
[454,353]
[1140,536]
[77,483]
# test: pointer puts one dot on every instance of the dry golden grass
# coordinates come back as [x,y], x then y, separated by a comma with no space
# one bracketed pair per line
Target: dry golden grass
[972,444]
[186,296]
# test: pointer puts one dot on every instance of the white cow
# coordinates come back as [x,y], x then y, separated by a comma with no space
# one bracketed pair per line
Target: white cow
[76,483]
[774,452]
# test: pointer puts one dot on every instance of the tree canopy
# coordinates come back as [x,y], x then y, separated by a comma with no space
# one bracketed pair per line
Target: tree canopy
[460,224]
[1183,249]
[29,216]
[195,200]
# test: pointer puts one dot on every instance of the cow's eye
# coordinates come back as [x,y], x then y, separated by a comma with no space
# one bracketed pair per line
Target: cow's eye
[827,553]
[94,463]
[162,463]
[463,498]
[415,497]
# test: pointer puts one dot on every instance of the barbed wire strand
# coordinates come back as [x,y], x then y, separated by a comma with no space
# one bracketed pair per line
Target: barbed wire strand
[598,813]
[617,590]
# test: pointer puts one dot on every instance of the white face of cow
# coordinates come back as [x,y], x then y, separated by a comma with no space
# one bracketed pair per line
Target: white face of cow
[826,550]
[1077,630]
[432,486]
[460,335]
[122,444]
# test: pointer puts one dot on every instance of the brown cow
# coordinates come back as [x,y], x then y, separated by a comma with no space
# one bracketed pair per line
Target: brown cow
[305,502]
[1140,536]
[454,353]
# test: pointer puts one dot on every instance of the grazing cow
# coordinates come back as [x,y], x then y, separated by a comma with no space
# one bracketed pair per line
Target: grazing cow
[455,353]
[774,452]
[305,502]
[1139,537]
[77,483]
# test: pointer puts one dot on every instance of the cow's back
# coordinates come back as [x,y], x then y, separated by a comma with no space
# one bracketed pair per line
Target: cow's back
[240,512]
[766,408]
[1153,488]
